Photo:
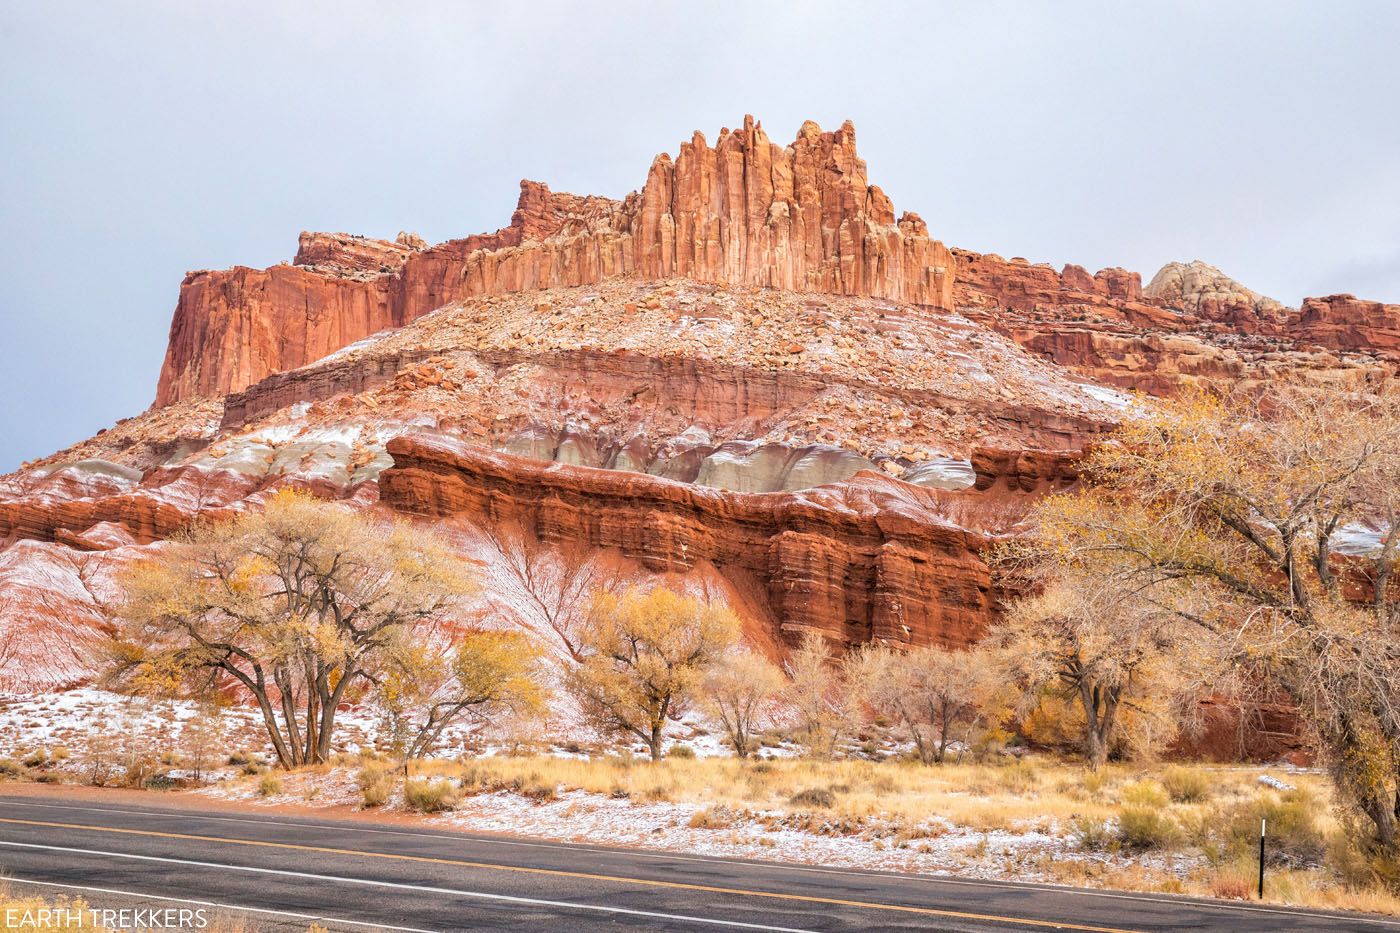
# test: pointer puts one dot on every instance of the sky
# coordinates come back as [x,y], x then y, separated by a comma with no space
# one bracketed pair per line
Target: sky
[141,140]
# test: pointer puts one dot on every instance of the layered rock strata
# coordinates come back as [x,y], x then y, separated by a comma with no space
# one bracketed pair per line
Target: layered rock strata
[871,558]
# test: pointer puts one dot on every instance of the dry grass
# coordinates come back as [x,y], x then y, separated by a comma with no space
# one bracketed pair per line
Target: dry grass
[1120,810]
[33,912]
[983,797]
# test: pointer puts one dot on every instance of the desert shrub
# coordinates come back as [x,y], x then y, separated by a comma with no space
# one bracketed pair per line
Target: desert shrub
[1293,839]
[1095,781]
[1357,864]
[59,753]
[681,751]
[269,786]
[48,777]
[36,759]
[430,796]
[538,790]
[239,758]
[1092,835]
[813,797]
[711,818]
[1144,827]
[1146,794]
[376,784]
[1232,884]
[10,768]
[1186,785]
[1018,778]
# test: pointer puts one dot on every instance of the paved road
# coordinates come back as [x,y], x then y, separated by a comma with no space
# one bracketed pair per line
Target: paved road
[353,875]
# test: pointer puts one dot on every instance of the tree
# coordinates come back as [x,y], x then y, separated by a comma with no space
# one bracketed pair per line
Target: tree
[740,691]
[1109,650]
[202,735]
[644,654]
[937,695]
[293,605]
[483,675]
[548,588]
[820,695]
[1239,504]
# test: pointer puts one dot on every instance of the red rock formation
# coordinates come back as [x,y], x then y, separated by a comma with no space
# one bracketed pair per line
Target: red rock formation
[870,558]
[347,254]
[1349,323]
[743,212]
[988,280]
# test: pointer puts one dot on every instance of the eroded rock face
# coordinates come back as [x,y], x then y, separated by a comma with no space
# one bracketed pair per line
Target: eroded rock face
[869,558]
[988,280]
[1350,323]
[349,255]
[1200,288]
[745,211]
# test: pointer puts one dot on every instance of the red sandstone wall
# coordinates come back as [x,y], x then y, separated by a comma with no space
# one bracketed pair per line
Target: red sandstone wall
[745,211]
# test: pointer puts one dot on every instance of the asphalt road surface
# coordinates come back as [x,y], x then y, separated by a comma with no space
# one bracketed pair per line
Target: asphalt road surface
[351,874]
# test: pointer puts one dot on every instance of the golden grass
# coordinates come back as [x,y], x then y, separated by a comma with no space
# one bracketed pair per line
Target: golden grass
[1022,795]
[34,912]
[904,804]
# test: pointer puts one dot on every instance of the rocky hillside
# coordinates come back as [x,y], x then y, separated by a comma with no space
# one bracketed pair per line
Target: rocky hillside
[750,376]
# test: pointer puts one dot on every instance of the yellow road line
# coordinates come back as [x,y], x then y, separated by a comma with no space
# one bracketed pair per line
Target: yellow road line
[561,873]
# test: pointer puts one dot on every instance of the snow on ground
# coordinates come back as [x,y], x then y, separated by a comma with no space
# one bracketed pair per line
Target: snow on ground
[933,846]
[1111,397]
[1356,540]
[69,720]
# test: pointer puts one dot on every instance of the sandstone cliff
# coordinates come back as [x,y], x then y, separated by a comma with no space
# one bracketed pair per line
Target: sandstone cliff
[744,212]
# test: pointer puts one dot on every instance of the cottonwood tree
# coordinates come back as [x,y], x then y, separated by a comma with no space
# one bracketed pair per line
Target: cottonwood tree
[1118,654]
[820,693]
[741,690]
[480,677]
[295,606]
[644,654]
[1240,503]
[549,589]
[938,696]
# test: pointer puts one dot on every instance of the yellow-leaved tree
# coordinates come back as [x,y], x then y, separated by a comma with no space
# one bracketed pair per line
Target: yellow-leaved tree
[477,677]
[295,606]
[644,653]
[1263,525]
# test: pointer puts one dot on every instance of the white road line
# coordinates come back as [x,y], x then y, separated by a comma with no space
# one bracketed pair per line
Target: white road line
[187,900]
[449,835]
[477,895]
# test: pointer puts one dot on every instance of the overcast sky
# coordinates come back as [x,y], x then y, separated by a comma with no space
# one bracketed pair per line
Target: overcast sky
[141,140]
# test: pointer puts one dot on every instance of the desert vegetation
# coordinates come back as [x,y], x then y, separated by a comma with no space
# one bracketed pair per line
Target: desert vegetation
[1237,548]
[1204,554]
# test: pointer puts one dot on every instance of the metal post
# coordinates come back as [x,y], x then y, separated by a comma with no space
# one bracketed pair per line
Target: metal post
[1262,824]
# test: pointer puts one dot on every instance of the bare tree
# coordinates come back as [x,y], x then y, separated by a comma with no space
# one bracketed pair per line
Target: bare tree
[937,695]
[483,675]
[741,689]
[1109,648]
[555,586]
[820,694]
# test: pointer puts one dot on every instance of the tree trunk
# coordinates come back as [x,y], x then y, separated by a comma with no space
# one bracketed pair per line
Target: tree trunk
[654,742]
[1100,710]
[328,706]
